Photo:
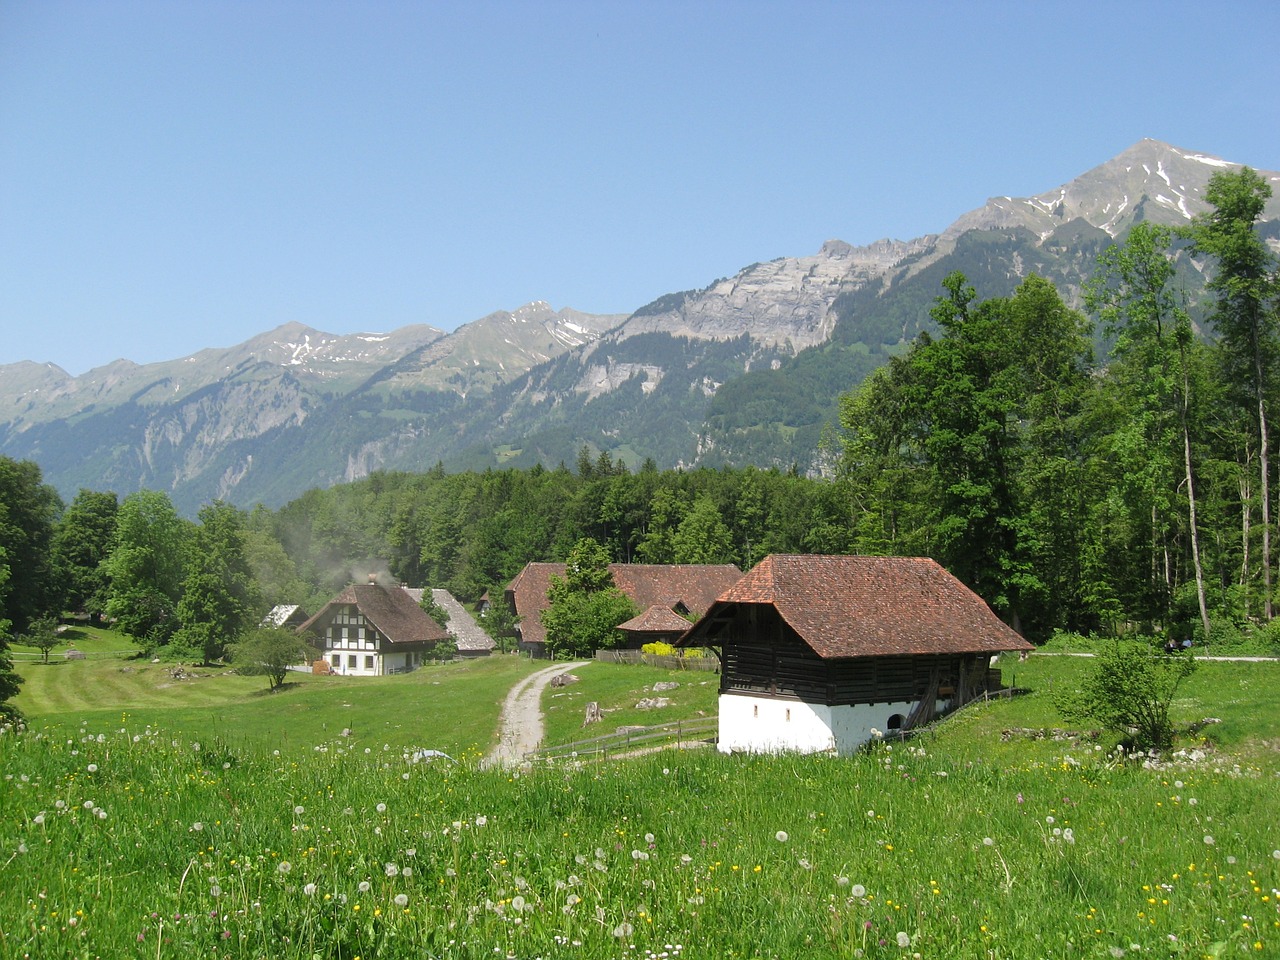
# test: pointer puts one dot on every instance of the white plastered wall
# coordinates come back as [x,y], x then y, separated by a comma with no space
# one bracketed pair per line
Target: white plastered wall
[750,724]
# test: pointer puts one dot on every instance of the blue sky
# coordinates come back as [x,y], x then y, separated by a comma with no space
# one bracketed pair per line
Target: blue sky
[176,175]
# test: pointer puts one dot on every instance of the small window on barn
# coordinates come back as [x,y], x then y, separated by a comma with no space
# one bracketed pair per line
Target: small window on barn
[895,722]
[337,660]
[368,663]
[351,661]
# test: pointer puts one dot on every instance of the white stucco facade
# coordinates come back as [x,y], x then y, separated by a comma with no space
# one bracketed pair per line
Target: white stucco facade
[757,724]
[354,648]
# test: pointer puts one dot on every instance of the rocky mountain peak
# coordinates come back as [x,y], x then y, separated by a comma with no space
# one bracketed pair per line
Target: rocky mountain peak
[1150,180]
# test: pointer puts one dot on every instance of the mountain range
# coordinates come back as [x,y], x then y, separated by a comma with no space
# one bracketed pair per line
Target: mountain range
[746,370]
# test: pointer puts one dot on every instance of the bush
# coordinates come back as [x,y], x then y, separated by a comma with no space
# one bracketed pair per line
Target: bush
[1129,691]
[269,652]
[660,649]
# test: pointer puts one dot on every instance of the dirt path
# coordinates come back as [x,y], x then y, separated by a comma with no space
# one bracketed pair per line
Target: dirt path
[521,729]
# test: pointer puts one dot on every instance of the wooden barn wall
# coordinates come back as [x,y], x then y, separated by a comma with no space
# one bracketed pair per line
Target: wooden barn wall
[769,659]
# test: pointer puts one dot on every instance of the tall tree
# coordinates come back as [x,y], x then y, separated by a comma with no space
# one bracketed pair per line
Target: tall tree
[82,541]
[585,607]
[218,593]
[1133,295]
[28,511]
[968,395]
[147,566]
[1054,389]
[1244,311]
[702,536]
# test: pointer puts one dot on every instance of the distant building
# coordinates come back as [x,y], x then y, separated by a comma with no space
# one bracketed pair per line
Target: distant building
[658,624]
[819,652]
[470,637]
[369,630]
[682,588]
[287,615]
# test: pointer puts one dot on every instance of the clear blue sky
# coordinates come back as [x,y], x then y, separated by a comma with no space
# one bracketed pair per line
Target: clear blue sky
[176,175]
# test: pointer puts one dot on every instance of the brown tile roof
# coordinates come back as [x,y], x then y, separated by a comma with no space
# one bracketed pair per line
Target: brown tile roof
[696,586]
[391,610]
[659,618]
[867,607]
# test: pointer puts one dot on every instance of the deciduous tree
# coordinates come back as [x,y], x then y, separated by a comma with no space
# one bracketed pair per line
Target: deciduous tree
[147,567]
[268,652]
[586,607]
[82,541]
[218,593]
[1244,312]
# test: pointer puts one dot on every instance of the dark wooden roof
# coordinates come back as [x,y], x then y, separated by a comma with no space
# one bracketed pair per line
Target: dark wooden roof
[391,610]
[695,586]
[657,619]
[864,607]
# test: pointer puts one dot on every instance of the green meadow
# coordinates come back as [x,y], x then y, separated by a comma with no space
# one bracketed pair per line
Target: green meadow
[147,816]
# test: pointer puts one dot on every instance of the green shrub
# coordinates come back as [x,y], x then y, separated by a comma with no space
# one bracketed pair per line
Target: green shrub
[1129,691]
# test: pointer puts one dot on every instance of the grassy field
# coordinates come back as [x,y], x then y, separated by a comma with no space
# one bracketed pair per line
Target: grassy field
[92,641]
[451,707]
[618,689]
[131,831]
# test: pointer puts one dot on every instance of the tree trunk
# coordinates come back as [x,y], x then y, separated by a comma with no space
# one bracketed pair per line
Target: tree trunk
[1191,500]
[1245,531]
[1264,471]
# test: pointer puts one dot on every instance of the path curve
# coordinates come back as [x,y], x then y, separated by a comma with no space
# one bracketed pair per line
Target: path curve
[521,723]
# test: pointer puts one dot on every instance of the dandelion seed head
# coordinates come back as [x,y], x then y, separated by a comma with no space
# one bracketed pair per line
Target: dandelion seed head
[904,939]
[401,899]
[858,890]
[781,836]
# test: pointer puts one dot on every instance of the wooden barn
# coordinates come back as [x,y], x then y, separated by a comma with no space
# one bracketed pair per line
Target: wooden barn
[820,652]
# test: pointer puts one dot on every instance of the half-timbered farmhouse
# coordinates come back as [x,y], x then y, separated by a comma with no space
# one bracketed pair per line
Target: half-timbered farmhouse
[682,588]
[369,630]
[820,652]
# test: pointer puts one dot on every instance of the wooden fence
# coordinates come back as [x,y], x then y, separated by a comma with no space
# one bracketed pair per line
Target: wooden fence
[710,664]
[676,733]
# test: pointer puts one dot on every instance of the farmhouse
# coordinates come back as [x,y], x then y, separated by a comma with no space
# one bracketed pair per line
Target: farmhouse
[683,588]
[819,652]
[369,630]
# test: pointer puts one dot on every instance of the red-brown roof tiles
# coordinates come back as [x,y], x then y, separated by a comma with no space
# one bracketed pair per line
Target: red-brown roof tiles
[390,610]
[659,618]
[696,586]
[868,606]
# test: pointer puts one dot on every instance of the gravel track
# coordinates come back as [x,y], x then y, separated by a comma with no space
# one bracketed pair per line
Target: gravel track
[521,724]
